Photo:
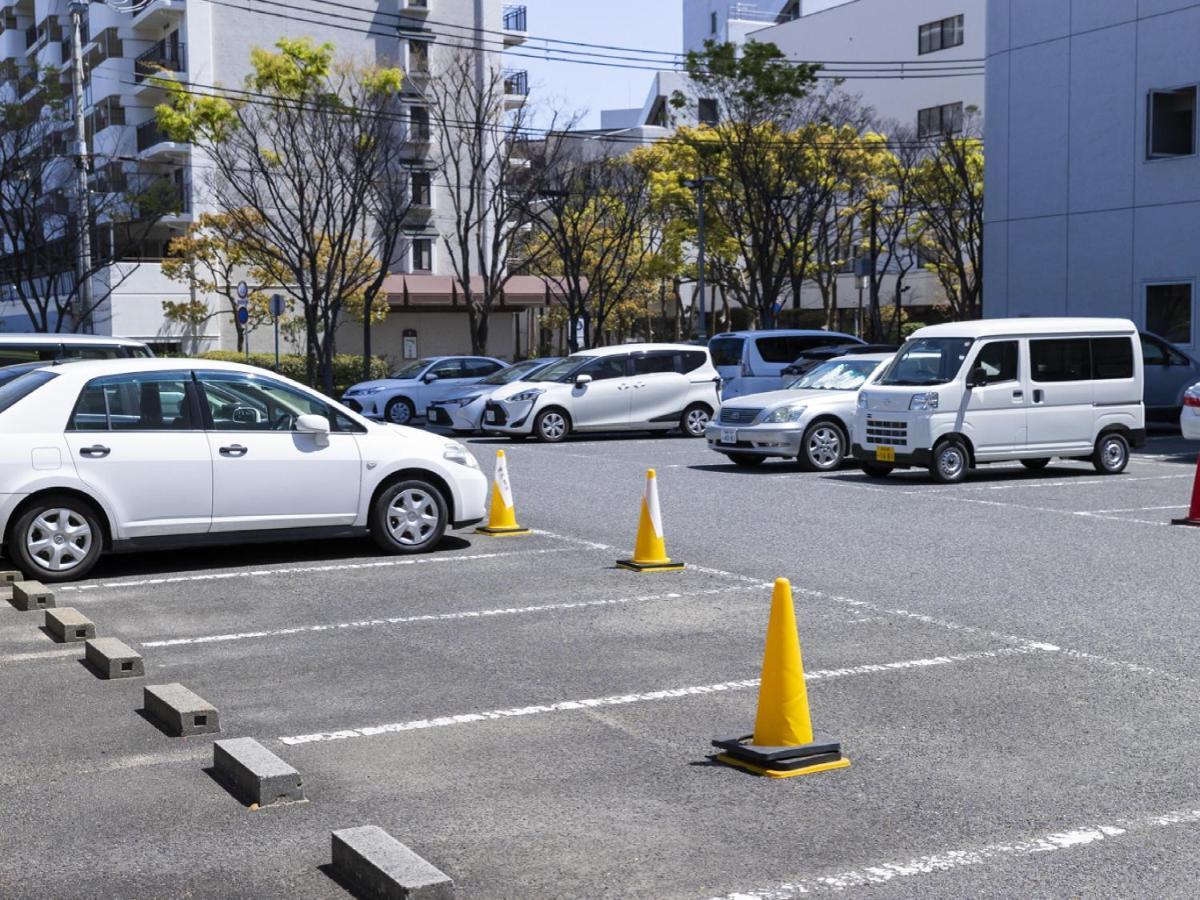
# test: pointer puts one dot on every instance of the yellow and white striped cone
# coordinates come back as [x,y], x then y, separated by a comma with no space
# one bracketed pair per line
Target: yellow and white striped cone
[502,519]
[650,553]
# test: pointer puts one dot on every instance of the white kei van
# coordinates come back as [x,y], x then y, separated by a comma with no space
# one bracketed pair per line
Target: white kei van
[968,393]
[752,362]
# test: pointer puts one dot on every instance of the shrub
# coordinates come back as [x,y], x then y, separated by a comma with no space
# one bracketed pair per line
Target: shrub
[347,368]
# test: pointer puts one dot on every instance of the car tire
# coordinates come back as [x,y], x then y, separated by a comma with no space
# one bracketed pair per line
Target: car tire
[399,411]
[1036,465]
[876,470]
[695,420]
[64,521]
[1112,453]
[823,447]
[409,516]
[950,462]
[552,425]
[746,460]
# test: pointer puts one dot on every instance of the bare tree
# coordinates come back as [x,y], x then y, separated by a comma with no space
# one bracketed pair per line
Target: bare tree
[481,127]
[39,232]
[311,166]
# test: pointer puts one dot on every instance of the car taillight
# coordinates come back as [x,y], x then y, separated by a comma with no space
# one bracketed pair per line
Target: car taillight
[1192,399]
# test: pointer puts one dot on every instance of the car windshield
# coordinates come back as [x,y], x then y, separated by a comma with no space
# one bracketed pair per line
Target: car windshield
[561,370]
[513,373]
[927,361]
[22,386]
[413,369]
[836,375]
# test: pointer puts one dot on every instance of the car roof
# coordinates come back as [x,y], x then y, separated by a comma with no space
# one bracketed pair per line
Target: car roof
[633,348]
[8,338]
[98,368]
[981,328]
[863,357]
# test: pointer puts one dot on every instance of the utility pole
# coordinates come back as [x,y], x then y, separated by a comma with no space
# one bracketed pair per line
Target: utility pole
[83,257]
[698,185]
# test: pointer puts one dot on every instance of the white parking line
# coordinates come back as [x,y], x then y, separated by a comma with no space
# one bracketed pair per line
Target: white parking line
[649,696]
[303,570]
[947,860]
[439,617]
[42,654]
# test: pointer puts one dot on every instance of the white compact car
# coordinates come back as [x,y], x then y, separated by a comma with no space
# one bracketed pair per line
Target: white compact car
[462,411]
[407,393]
[633,387]
[809,421]
[968,393]
[125,454]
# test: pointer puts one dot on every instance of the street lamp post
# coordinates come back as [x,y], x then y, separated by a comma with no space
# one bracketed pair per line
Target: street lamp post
[698,185]
[83,256]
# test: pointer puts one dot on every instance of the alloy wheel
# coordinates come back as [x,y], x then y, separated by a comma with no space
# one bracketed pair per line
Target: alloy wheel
[825,447]
[59,540]
[553,426]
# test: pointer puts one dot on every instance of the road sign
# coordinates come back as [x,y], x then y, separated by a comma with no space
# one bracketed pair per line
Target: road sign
[243,315]
[243,290]
[278,305]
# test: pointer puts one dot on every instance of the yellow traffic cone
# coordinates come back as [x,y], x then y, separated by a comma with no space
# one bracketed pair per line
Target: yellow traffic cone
[783,743]
[502,519]
[650,553]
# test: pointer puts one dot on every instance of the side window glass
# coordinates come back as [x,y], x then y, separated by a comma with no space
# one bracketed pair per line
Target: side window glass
[1153,353]
[246,403]
[605,368]
[1067,359]
[689,361]
[999,360]
[150,402]
[450,369]
[775,349]
[1112,358]
[654,363]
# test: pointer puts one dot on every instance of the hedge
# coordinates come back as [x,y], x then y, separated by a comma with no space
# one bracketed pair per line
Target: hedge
[347,368]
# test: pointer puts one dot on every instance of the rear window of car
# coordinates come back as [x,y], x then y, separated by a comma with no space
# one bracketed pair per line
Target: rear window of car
[726,351]
[785,348]
[19,388]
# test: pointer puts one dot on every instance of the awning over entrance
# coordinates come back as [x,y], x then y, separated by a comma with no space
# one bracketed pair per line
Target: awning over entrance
[442,293]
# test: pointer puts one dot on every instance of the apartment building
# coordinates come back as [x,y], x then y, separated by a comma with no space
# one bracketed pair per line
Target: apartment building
[208,42]
[1093,176]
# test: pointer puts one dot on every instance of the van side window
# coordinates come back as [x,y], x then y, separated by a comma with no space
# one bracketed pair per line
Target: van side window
[785,348]
[689,361]
[1112,358]
[654,363]
[999,360]
[605,367]
[1061,359]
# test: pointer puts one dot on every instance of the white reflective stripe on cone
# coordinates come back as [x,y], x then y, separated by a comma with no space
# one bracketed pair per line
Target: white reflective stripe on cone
[652,505]
[502,479]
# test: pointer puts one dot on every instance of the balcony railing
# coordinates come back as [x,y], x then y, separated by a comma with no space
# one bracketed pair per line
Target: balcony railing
[516,83]
[31,36]
[165,55]
[516,18]
[149,134]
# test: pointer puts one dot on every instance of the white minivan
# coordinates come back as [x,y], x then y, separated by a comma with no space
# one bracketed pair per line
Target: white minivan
[968,393]
[752,362]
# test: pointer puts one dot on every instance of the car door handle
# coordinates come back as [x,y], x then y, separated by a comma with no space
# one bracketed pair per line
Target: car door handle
[1038,396]
[236,450]
[96,451]
[1017,395]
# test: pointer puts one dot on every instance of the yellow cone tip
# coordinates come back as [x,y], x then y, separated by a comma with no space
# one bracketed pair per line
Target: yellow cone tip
[650,473]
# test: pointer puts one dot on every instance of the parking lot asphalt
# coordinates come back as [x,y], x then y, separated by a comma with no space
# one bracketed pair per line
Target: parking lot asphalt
[1009,664]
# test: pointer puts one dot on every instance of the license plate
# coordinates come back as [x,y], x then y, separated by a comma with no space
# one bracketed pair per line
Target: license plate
[729,436]
[885,454]
[489,416]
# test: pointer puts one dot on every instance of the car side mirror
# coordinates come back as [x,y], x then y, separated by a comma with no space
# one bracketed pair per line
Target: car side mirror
[429,378]
[977,378]
[317,426]
[581,380]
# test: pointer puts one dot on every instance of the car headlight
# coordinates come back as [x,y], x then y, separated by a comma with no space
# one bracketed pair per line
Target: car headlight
[862,400]
[525,396]
[373,390]
[793,412]
[926,401]
[464,401]
[456,452]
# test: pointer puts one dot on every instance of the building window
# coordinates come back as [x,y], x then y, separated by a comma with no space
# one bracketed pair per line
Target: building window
[418,123]
[422,189]
[938,120]
[418,57]
[712,23]
[422,254]
[1172,123]
[1169,311]
[708,112]
[940,35]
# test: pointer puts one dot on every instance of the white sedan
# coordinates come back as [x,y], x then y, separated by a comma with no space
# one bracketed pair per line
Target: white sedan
[138,453]
[808,421]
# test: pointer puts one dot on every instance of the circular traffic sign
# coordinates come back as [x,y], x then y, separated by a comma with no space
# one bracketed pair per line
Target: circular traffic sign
[243,290]
[243,315]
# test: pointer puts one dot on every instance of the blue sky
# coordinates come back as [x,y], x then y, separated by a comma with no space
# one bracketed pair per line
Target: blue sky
[642,24]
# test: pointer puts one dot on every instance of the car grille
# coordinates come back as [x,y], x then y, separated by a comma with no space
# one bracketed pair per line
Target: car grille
[879,432]
[732,415]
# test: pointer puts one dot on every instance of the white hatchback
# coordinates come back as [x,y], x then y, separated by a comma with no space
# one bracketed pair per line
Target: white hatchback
[632,387]
[142,453]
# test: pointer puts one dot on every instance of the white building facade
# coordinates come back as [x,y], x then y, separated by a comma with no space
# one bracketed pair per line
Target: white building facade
[208,44]
[1093,177]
